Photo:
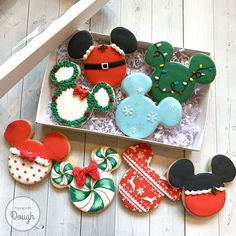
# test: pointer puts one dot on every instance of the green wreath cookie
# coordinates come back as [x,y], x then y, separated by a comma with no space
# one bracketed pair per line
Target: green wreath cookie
[171,79]
[71,104]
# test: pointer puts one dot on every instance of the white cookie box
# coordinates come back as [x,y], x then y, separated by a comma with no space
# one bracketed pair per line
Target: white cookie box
[24,60]
[45,99]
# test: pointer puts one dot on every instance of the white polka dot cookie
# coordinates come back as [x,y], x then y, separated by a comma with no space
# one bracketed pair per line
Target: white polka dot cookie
[30,161]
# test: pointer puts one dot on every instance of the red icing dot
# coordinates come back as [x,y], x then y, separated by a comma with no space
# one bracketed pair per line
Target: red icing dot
[31,167]
[9,167]
[17,168]
[27,179]
[15,161]
[23,164]
[39,170]
[41,177]
[33,175]
[19,177]
[12,174]
[45,172]
[25,171]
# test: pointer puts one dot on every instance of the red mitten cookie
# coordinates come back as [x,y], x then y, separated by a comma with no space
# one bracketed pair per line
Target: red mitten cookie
[204,194]
[30,161]
[141,189]
[103,63]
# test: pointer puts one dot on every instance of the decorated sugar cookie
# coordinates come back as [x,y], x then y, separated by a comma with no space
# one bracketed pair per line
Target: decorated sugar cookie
[204,194]
[105,62]
[137,115]
[142,189]
[30,161]
[71,104]
[91,188]
[171,79]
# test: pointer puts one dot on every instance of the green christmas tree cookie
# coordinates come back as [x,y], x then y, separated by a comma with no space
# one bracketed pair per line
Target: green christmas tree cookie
[171,79]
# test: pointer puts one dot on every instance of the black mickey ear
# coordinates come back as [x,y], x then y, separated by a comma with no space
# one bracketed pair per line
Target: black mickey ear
[179,172]
[124,39]
[223,167]
[79,44]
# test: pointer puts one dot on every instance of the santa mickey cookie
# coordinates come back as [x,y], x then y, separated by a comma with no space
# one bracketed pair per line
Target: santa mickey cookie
[91,188]
[137,115]
[203,194]
[141,189]
[30,161]
[71,104]
[105,62]
[171,79]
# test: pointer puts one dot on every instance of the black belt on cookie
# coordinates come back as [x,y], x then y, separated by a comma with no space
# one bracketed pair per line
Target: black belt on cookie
[104,66]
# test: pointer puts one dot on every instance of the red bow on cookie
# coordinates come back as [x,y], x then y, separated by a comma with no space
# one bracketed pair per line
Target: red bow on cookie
[83,93]
[80,173]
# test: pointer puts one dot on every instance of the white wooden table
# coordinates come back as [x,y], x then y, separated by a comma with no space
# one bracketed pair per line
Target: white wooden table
[208,25]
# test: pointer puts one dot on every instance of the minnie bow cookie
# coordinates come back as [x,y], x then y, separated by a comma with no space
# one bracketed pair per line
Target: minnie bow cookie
[137,115]
[91,188]
[142,189]
[30,161]
[203,194]
[71,104]
[171,79]
[103,63]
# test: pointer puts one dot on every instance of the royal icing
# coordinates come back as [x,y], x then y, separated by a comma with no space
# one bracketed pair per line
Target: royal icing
[141,189]
[137,115]
[204,194]
[103,63]
[71,104]
[91,188]
[171,79]
[30,161]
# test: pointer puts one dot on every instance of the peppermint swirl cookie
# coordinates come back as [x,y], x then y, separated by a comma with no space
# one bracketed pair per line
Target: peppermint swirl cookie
[91,188]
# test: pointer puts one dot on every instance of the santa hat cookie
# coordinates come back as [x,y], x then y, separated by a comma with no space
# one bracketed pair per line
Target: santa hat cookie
[203,194]
[105,62]
[73,105]
[30,161]
[91,188]
[141,189]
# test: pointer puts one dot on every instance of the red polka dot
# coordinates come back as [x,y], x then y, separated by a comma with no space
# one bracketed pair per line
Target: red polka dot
[9,167]
[45,172]
[15,161]
[12,174]
[31,167]
[17,168]
[41,177]
[23,164]
[19,177]
[39,170]
[25,171]
[27,179]
[33,175]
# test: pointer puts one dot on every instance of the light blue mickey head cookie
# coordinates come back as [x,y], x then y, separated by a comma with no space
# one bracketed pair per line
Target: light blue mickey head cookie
[137,115]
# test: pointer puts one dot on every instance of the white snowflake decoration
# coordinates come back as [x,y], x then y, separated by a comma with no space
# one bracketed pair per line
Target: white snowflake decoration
[151,117]
[127,110]
[140,155]
[140,191]
[140,90]
[133,130]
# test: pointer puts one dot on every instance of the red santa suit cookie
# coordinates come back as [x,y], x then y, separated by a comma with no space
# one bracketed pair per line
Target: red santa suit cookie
[105,62]
[204,194]
[142,189]
[30,161]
